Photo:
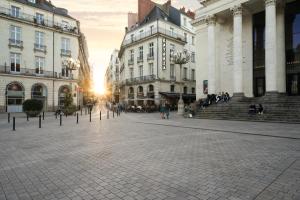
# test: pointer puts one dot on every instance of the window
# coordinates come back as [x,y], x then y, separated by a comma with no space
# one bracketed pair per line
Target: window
[172,88]
[15,62]
[141,71]
[172,51]
[193,40]
[172,71]
[39,39]
[193,91]
[184,73]
[65,25]
[184,21]
[193,57]
[172,32]
[141,52]
[151,69]
[132,55]
[185,37]
[39,18]
[193,75]
[151,29]
[65,44]
[15,34]
[151,50]
[39,65]
[185,89]
[141,33]
[31,1]
[131,73]
[15,11]
[132,37]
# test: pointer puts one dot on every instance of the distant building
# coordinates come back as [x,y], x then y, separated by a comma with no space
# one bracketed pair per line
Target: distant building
[112,78]
[35,40]
[148,74]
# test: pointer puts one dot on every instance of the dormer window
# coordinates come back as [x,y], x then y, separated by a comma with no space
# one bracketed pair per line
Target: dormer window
[31,1]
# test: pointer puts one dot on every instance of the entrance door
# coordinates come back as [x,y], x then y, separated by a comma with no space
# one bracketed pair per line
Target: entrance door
[293,84]
[14,97]
[260,88]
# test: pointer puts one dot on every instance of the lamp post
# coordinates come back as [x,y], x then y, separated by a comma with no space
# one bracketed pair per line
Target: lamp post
[181,58]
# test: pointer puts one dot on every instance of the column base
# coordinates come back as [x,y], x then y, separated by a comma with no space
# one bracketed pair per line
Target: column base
[273,96]
[238,96]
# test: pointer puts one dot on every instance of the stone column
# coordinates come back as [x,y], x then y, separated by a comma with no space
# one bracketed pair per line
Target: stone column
[281,61]
[271,46]
[211,23]
[238,50]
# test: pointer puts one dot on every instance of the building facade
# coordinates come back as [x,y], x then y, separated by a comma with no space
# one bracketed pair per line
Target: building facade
[36,38]
[248,47]
[148,73]
[112,78]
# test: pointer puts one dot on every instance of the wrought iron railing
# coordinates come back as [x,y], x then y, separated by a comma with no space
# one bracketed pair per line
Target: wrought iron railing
[150,56]
[65,52]
[141,79]
[42,22]
[15,43]
[40,47]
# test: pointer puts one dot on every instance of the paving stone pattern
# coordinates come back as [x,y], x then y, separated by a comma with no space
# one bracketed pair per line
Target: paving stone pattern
[139,156]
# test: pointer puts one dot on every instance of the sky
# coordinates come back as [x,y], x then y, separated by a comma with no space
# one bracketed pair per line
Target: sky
[103,22]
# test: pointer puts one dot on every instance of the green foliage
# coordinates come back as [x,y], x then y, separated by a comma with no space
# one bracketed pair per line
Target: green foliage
[32,107]
[69,107]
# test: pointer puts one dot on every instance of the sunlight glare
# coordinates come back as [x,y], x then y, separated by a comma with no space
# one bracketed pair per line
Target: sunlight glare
[98,81]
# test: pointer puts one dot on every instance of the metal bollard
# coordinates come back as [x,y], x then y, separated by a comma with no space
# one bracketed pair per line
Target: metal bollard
[107,114]
[100,115]
[77,118]
[40,121]
[90,116]
[14,123]
[8,117]
[113,113]
[27,117]
[60,120]
[43,115]
[55,115]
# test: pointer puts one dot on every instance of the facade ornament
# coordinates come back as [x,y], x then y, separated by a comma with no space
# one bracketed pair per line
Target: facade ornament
[237,10]
[270,2]
[211,20]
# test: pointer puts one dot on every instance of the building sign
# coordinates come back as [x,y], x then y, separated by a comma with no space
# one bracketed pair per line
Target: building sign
[164,53]
[205,87]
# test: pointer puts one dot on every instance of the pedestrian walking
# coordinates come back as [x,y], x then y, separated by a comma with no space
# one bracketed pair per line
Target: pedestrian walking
[167,110]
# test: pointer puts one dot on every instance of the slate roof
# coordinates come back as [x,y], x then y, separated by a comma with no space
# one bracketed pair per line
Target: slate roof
[47,6]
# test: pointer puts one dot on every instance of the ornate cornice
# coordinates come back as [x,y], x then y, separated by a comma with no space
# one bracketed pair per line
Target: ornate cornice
[237,10]
[270,2]
[211,20]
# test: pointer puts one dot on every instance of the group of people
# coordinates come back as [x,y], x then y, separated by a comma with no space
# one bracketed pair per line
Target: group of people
[164,110]
[213,98]
[253,109]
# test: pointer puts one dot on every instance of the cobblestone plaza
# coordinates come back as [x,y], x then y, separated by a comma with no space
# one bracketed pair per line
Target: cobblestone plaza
[139,156]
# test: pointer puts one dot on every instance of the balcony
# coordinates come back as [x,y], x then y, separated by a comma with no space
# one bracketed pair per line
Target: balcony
[140,59]
[150,56]
[27,18]
[131,96]
[66,53]
[140,95]
[26,72]
[173,78]
[66,76]
[40,48]
[154,31]
[131,61]
[142,79]
[15,43]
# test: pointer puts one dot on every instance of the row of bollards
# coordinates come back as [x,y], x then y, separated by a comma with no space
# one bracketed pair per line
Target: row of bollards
[42,117]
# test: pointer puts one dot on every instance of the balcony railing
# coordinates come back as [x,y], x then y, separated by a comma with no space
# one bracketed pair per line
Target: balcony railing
[42,22]
[141,79]
[130,61]
[140,59]
[153,32]
[131,96]
[40,48]
[150,56]
[140,95]
[15,43]
[37,72]
[65,52]
[172,78]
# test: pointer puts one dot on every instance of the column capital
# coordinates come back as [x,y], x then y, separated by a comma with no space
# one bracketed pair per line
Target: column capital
[270,2]
[211,20]
[237,10]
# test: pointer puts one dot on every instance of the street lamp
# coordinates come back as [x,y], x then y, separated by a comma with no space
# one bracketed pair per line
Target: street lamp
[181,58]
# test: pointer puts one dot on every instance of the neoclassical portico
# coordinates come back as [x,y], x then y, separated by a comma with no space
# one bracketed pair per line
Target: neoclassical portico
[230,61]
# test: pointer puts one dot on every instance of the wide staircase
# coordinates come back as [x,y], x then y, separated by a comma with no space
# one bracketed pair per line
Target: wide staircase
[276,109]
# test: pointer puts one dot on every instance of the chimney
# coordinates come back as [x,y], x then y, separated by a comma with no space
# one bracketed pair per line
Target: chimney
[144,8]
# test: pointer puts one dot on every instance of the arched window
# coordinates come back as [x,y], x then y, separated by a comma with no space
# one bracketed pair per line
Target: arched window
[14,97]
[39,92]
[131,90]
[151,88]
[63,90]
[140,89]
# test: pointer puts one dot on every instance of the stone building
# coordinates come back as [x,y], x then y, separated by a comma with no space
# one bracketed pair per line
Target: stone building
[248,47]
[148,73]
[112,78]
[36,38]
